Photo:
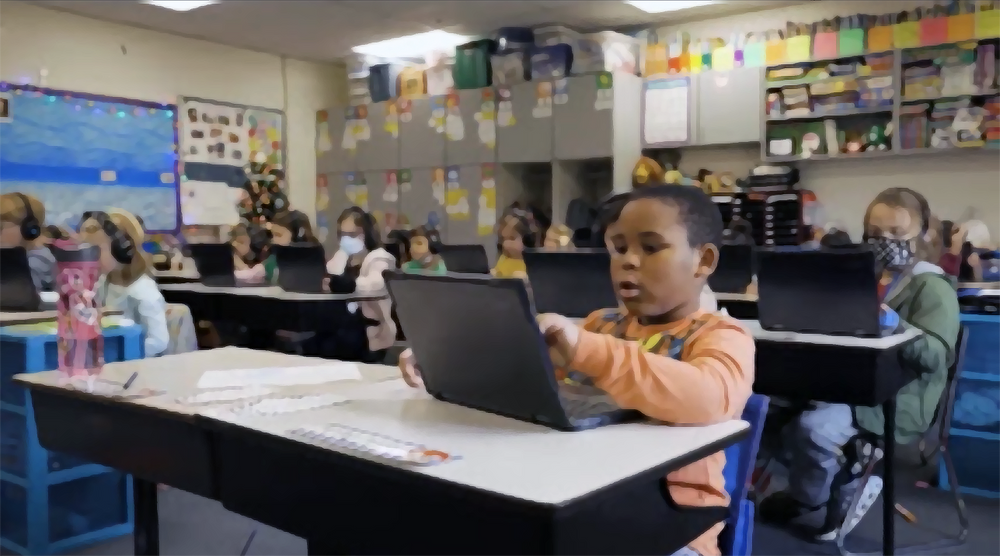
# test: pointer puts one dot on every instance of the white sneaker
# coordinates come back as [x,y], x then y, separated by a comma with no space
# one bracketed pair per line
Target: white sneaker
[863,501]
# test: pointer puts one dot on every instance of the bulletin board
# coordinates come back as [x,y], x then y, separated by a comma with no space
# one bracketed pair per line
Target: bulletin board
[218,140]
[78,152]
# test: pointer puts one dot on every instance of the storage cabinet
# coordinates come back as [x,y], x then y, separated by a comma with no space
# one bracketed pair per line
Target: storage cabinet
[729,106]
[381,149]
[528,136]
[422,199]
[584,117]
[422,133]
[477,110]
[331,154]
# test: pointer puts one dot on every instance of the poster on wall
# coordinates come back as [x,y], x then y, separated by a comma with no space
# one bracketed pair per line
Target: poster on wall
[218,141]
[78,152]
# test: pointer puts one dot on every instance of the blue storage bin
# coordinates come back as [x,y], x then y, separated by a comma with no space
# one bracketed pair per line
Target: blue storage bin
[551,62]
[977,405]
[976,456]
[982,354]
[94,503]
[511,68]
[14,447]
[382,81]
[514,39]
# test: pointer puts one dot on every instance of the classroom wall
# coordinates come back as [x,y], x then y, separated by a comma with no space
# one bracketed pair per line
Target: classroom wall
[87,55]
[954,183]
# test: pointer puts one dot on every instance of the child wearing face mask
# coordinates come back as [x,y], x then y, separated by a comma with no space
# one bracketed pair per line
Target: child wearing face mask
[915,294]
[421,259]
[357,268]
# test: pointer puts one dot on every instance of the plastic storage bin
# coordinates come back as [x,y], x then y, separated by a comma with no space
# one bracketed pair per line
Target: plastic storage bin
[976,456]
[977,405]
[412,82]
[551,62]
[551,35]
[514,39]
[606,51]
[472,64]
[982,355]
[382,79]
[511,68]
[357,91]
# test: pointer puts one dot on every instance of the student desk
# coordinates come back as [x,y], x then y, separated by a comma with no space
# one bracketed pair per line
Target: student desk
[518,487]
[176,276]
[8,319]
[838,369]
[738,305]
[265,305]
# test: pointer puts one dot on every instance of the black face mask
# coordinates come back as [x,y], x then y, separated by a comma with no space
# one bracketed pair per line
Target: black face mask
[893,255]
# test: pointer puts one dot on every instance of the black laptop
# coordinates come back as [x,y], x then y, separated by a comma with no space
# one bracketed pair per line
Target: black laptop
[570,283]
[735,269]
[301,267]
[478,345]
[17,290]
[214,262]
[465,259]
[819,292]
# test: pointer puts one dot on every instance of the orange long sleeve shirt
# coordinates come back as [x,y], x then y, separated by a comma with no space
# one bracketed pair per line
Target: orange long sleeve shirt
[697,371]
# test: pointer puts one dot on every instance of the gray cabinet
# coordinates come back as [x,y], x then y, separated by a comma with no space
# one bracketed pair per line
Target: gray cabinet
[338,187]
[419,202]
[331,153]
[477,185]
[529,137]
[477,141]
[421,145]
[383,198]
[729,106]
[381,150]
[584,123]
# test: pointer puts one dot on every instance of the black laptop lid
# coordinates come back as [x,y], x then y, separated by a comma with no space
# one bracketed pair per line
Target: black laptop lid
[478,344]
[822,292]
[17,290]
[465,259]
[570,283]
[214,262]
[735,269]
[301,267]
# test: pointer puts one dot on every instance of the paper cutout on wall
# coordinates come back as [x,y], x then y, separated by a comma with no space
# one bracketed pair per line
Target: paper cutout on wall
[391,192]
[391,125]
[486,118]
[324,143]
[604,98]
[210,201]
[505,110]
[438,114]
[457,204]
[405,109]
[438,185]
[349,141]
[487,213]
[454,125]
[666,106]
[543,97]
[405,180]
[561,94]
[433,219]
[322,193]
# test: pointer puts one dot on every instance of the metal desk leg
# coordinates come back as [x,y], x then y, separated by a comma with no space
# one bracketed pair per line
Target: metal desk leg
[147,520]
[889,488]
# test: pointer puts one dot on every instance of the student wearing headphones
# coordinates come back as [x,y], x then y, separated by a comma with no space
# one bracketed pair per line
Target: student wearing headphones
[357,266]
[422,253]
[517,233]
[126,284]
[22,218]
[915,294]
[287,227]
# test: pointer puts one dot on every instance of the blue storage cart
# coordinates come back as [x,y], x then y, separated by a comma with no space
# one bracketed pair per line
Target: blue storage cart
[54,502]
[974,440]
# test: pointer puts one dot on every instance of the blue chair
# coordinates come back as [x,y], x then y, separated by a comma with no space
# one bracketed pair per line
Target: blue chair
[737,538]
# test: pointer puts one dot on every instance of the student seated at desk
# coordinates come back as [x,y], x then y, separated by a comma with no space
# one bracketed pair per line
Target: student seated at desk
[661,353]
[921,295]
[286,227]
[126,284]
[357,268]
[517,233]
[22,221]
[421,252]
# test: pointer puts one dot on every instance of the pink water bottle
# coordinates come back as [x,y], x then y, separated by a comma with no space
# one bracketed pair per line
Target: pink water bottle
[80,342]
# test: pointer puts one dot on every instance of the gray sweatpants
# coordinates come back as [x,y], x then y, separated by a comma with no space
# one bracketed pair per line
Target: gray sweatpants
[686,551]
[817,437]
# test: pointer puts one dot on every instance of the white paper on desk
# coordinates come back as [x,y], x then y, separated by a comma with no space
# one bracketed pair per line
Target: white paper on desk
[279,376]
[393,389]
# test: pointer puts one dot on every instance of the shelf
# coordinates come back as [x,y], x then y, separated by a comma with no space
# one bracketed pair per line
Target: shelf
[833,59]
[839,114]
[950,97]
[775,85]
[840,156]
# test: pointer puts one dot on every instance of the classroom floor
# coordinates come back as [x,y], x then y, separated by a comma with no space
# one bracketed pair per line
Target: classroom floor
[196,526]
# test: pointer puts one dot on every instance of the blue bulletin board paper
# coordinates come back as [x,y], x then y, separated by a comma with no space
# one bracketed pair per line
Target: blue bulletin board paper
[78,152]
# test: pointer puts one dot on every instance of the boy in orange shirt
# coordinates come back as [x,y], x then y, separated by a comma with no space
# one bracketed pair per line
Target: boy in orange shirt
[661,353]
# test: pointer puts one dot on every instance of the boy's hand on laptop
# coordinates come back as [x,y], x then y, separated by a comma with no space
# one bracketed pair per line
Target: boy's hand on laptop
[408,367]
[561,335]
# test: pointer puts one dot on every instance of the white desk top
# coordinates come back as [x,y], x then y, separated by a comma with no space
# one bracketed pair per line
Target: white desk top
[498,454]
[719,296]
[273,292]
[829,340]
[190,274]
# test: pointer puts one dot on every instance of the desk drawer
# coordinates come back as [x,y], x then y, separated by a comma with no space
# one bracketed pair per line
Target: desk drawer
[977,405]
[976,457]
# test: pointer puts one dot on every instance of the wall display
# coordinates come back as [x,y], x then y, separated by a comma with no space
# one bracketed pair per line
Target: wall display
[487,213]
[217,142]
[665,107]
[456,203]
[322,204]
[486,118]
[79,152]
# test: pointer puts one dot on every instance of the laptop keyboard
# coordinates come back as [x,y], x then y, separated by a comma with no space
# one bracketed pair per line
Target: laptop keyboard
[583,402]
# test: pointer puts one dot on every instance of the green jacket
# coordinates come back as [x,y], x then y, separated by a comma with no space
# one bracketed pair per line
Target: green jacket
[926,300]
[271,270]
[415,266]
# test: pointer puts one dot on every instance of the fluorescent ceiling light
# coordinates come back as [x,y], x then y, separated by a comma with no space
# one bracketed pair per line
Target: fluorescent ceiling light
[412,45]
[659,7]
[181,5]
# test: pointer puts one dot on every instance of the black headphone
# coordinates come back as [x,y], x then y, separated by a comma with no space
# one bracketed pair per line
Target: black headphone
[122,247]
[31,228]
[434,242]
[925,214]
